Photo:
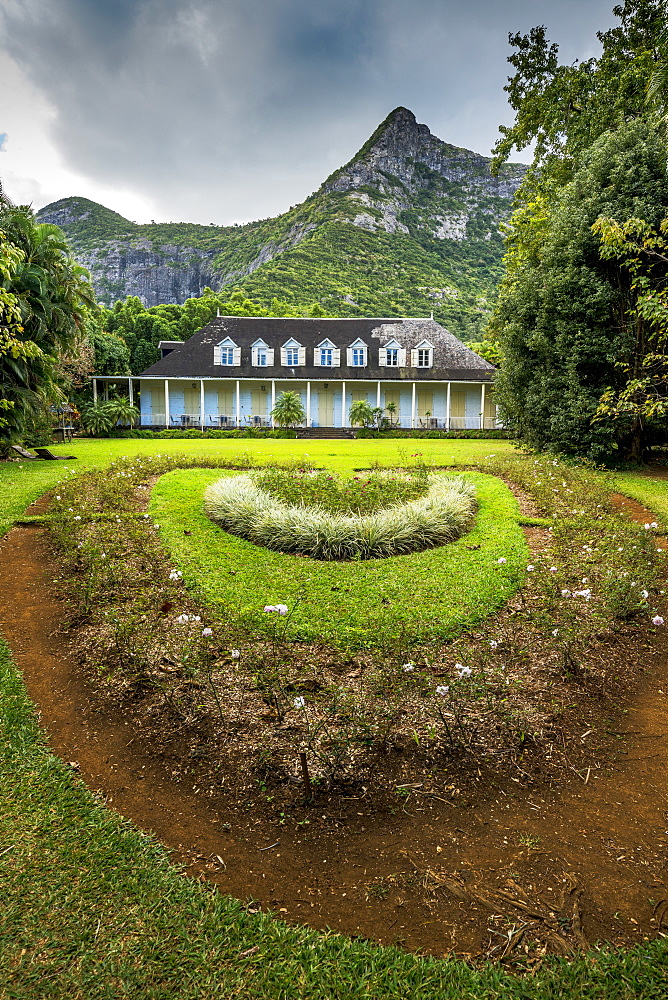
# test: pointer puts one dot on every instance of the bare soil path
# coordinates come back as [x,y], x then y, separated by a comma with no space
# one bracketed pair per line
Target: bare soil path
[514,865]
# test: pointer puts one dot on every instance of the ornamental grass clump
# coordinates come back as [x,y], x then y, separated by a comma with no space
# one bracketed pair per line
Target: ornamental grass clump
[243,508]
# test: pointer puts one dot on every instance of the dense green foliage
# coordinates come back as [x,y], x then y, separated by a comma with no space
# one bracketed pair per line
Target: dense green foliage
[566,313]
[46,302]
[567,317]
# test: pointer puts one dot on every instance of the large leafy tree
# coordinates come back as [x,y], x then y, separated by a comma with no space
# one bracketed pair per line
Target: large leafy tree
[567,315]
[48,302]
[567,318]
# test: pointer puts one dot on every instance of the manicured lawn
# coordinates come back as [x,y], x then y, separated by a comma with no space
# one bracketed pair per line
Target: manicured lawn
[424,595]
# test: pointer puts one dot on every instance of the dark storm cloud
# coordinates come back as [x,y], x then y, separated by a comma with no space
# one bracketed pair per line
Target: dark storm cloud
[233,110]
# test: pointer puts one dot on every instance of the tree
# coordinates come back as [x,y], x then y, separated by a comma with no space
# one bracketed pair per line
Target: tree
[54,301]
[288,410]
[642,398]
[111,354]
[567,313]
[361,413]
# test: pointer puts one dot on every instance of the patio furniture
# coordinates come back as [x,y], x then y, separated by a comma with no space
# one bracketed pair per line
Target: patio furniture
[22,452]
[45,453]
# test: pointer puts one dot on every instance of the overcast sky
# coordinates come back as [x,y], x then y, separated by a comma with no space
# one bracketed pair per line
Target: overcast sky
[231,110]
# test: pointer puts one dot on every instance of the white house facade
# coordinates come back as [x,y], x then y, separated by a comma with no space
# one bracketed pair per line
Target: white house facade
[230,373]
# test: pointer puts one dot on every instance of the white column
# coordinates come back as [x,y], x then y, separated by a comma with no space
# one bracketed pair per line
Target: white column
[167,402]
[447,409]
[106,392]
[201,403]
[273,400]
[344,415]
[378,396]
[130,393]
[308,404]
[238,404]
[413,407]
[94,392]
[482,406]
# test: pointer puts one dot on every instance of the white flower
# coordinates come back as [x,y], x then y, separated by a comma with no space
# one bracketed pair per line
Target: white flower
[57,498]
[462,670]
[646,527]
[657,620]
[555,632]
[207,631]
[644,594]
[584,579]
[654,524]
[407,667]
[175,574]
[442,689]
[553,569]
[565,593]
[501,561]
[282,609]
[493,643]
[182,619]
[530,569]
[299,703]
[103,555]
[76,518]
[235,654]
[195,618]
[269,607]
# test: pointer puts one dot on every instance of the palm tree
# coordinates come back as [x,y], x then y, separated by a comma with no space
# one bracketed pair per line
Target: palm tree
[288,410]
[123,411]
[361,413]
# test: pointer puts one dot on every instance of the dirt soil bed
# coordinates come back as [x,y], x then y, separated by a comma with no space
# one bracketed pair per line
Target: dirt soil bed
[504,863]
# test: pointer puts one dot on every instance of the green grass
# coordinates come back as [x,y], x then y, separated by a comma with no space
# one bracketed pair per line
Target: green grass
[652,493]
[23,482]
[424,595]
[93,910]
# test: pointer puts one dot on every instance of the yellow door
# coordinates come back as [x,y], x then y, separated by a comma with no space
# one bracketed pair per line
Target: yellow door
[226,402]
[191,403]
[258,403]
[425,404]
[490,410]
[393,396]
[325,408]
[457,409]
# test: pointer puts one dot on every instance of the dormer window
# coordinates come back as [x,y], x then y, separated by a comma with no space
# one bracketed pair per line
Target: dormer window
[357,354]
[393,355]
[326,355]
[227,353]
[261,354]
[422,355]
[293,354]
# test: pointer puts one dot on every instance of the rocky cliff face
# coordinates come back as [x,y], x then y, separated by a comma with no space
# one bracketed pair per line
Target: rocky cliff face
[404,182]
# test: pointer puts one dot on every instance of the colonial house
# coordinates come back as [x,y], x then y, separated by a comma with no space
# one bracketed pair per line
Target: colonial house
[230,373]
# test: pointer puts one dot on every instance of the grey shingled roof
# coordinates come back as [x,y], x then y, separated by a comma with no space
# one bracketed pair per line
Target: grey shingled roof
[194,359]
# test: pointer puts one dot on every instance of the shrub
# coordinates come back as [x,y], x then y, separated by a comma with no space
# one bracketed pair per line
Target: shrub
[242,508]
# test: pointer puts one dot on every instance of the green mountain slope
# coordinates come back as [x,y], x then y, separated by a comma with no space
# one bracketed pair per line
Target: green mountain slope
[409,226]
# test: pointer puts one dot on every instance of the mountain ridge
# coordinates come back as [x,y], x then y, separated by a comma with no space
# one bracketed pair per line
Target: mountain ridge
[408,226]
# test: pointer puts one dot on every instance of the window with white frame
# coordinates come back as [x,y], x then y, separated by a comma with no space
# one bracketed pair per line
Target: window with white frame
[356,354]
[392,357]
[261,354]
[326,356]
[227,353]
[422,355]
[292,356]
